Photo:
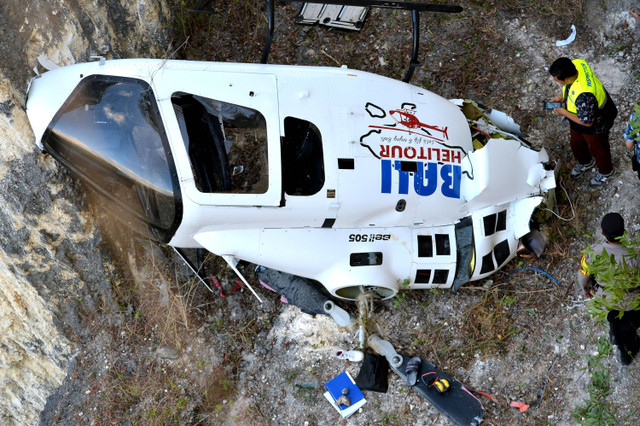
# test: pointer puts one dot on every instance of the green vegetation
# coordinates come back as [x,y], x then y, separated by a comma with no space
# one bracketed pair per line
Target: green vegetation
[618,279]
[596,410]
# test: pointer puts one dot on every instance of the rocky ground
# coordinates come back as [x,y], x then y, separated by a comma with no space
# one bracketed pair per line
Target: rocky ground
[101,327]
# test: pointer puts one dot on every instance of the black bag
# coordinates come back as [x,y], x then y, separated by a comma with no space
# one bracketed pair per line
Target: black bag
[374,373]
[635,166]
[609,112]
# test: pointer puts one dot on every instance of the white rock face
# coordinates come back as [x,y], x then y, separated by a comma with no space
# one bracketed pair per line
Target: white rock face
[46,242]
[33,354]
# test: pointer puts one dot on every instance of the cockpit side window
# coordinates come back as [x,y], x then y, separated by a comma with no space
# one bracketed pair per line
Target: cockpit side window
[109,132]
[302,162]
[226,143]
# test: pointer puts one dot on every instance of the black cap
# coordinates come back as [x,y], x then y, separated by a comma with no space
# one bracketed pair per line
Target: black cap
[612,226]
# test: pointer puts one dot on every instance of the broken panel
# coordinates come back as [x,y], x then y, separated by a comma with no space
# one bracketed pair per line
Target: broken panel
[331,15]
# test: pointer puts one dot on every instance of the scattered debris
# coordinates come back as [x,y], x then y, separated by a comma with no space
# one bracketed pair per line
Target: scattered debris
[536,270]
[524,406]
[544,385]
[265,285]
[47,63]
[217,285]
[485,394]
[353,355]
[569,39]
[520,405]
[166,352]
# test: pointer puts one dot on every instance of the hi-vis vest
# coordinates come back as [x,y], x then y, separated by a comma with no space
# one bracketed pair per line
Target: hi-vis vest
[586,82]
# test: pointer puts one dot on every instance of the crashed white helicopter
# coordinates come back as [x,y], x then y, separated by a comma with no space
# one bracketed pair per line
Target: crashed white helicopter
[337,175]
[350,179]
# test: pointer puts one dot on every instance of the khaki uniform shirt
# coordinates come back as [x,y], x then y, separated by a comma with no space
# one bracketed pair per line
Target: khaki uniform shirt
[588,282]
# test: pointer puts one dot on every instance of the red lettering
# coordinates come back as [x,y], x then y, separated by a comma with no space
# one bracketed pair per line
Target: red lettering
[437,150]
[384,151]
[410,152]
[396,151]
[456,157]
[421,155]
[446,154]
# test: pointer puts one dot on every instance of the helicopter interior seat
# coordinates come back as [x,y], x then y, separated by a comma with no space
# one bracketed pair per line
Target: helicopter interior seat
[204,139]
[303,165]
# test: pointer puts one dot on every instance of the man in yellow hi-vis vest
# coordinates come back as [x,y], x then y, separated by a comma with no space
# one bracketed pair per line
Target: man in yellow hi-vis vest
[590,111]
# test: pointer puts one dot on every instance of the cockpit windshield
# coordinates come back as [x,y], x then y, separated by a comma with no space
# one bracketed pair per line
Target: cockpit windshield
[109,132]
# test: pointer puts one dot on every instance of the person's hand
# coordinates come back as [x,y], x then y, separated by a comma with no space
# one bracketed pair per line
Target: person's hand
[557,99]
[629,144]
[560,111]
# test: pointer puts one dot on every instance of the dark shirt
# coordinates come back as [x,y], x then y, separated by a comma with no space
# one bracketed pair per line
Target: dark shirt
[589,113]
[587,107]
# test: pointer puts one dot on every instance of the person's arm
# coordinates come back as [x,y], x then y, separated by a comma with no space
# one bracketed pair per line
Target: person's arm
[585,279]
[626,135]
[573,117]
[586,108]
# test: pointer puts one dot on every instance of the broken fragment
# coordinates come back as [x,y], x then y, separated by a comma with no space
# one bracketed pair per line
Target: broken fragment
[569,39]
[519,405]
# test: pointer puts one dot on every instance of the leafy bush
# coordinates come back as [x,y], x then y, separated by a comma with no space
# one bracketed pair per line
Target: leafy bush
[618,279]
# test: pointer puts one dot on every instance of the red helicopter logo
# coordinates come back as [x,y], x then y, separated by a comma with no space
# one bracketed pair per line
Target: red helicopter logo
[407,118]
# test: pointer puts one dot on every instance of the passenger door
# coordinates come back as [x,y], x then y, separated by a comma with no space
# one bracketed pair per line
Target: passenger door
[224,131]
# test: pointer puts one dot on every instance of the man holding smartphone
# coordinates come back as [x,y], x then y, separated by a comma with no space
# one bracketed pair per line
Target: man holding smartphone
[590,111]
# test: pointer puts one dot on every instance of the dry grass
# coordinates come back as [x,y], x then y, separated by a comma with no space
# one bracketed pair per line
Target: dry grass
[488,322]
[164,305]
[134,383]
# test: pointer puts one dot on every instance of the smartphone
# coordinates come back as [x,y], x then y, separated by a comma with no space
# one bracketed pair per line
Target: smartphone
[552,105]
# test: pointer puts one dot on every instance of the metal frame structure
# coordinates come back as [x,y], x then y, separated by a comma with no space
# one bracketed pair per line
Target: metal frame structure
[414,7]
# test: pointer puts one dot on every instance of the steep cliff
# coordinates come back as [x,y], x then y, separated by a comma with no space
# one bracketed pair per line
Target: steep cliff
[53,273]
